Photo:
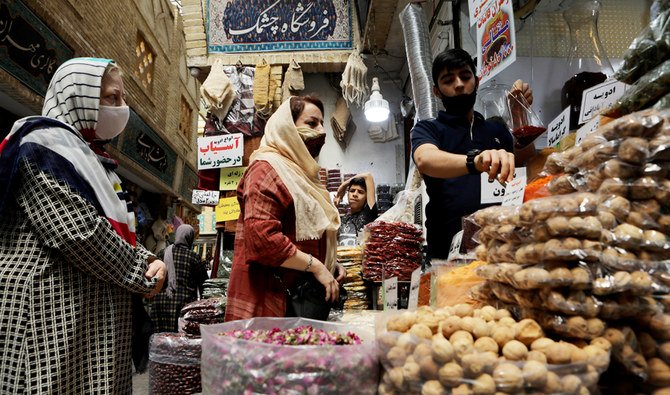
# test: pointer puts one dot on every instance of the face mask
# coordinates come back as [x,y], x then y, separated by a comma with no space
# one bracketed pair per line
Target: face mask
[313,140]
[111,121]
[459,105]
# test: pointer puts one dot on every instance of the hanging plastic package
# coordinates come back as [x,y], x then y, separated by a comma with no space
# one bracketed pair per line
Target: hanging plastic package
[646,91]
[648,50]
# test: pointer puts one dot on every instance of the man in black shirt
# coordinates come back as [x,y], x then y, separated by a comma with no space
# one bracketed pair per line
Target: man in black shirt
[453,150]
[362,204]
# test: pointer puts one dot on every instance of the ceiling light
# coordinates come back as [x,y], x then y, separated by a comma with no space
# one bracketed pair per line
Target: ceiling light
[376,109]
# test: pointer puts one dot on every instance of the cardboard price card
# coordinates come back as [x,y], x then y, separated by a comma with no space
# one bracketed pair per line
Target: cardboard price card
[220,151]
[515,191]
[414,284]
[494,192]
[600,97]
[228,209]
[558,128]
[391,293]
[588,128]
[496,40]
[230,177]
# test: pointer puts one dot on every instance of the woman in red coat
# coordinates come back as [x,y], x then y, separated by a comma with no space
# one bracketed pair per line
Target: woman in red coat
[286,234]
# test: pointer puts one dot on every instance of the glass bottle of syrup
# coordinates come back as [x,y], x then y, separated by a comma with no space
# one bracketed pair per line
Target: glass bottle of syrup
[587,62]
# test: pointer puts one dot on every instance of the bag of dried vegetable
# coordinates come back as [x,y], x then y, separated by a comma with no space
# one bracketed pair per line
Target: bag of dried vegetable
[646,91]
[288,355]
[649,49]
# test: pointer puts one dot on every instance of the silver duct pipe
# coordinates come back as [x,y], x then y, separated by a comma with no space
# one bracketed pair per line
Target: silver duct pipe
[419,60]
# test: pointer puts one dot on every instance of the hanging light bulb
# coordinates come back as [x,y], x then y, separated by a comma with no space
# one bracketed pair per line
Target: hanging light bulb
[376,109]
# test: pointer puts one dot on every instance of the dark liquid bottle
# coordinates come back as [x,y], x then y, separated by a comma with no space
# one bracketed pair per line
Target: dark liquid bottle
[571,94]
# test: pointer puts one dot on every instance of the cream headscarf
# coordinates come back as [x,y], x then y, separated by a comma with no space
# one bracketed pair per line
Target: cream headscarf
[283,148]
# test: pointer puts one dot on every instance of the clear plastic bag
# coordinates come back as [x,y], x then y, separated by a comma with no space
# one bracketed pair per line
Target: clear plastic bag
[650,48]
[174,364]
[461,349]
[646,91]
[524,123]
[235,366]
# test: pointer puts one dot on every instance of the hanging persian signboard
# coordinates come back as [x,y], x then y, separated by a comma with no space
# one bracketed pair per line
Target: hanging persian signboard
[278,25]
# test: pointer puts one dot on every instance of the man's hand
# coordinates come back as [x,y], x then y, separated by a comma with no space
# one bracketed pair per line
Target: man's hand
[158,270]
[497,163]
[524,89]
[337,200]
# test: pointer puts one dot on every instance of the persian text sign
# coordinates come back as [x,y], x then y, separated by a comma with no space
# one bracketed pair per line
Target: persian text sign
[558,128]
[600,97]
[278,25]
[496,41]
[205,198]
[220,151]
[228,209]
[230,177]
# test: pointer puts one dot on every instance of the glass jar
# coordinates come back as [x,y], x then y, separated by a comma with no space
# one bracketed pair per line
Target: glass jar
[587,62]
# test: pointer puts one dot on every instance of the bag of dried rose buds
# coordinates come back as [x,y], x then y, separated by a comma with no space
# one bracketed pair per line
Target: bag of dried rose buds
[287,355]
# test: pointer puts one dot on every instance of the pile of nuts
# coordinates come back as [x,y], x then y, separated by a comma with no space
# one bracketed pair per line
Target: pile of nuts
[463,350]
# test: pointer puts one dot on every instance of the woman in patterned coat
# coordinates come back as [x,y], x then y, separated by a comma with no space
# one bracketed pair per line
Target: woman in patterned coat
[186,273]
[69,262]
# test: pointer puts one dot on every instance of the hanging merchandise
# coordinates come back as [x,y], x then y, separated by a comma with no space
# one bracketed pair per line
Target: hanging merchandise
[391,130]
[354,80]
[340,120]
[645,92]
[274,91]
[217,91]
[262,88]
[293,80]
[588,64]
[649,49]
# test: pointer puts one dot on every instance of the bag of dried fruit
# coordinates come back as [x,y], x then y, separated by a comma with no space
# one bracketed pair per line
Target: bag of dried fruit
[288,355]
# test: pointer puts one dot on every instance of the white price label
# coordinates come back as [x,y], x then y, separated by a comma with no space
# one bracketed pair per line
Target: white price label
[414,284]
[600,97]
[455,247]
[515,190]
[391,293]
[588,128]
[494,192]
[205,198]
[558,128]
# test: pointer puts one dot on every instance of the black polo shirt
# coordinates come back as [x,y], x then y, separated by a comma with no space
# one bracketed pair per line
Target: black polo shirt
[451,199]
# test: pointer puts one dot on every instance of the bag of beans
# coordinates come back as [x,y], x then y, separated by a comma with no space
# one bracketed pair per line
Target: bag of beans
[174,364]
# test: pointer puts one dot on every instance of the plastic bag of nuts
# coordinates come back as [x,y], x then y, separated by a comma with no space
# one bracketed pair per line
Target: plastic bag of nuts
[174,364]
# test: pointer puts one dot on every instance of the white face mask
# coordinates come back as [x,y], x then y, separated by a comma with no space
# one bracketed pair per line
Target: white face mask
[111,121]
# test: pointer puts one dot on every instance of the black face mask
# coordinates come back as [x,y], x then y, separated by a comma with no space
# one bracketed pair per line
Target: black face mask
[459,105]
[314,145]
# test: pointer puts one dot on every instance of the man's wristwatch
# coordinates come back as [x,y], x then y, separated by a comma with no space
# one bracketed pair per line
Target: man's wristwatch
[470,161]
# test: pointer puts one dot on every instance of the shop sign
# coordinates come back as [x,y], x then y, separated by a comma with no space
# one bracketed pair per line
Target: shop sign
[496,40]
[145,147]
[600,97]
[230,177]
[205,198]
[201,223]
[228,209]
[286,25]
[215,152]
[494,191]
[558,128]
[29,50]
